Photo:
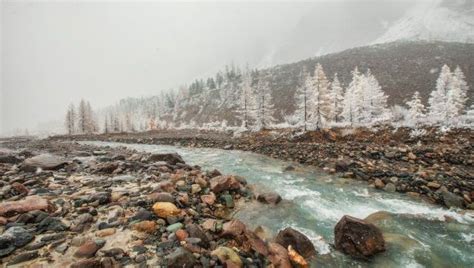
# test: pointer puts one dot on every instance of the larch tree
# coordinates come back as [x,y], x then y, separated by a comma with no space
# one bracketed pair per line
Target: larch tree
[264,105]
[91,124]
[246,106]
[320,101]
[456,96]
[374,101]
[461,79]
[438,97]
[416,111]
[82,117]
[71,119]
[352,103]
[302,98]
[337,98]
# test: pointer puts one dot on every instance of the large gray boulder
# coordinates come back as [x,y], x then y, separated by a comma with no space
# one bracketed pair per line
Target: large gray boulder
[44,161]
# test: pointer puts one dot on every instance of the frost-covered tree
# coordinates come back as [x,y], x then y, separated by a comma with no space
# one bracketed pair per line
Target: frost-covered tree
[337,98]
[352,103]
[71,119]
[82,117]
[302,98]
[264,105]
[374,101]
[246,107]
[91,123]
[447,102]
[320,100]
[416,111]
[438,97]
[365,103]
[456,96]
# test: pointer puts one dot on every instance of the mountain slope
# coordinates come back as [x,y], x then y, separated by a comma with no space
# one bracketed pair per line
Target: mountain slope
[401,68]
[451,21]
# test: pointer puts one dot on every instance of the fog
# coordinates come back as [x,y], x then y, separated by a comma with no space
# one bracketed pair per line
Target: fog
[54,53]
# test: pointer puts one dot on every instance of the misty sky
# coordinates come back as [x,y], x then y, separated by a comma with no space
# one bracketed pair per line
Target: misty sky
[54,53]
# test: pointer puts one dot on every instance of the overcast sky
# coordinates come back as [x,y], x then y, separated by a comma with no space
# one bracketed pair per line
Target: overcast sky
[54,53]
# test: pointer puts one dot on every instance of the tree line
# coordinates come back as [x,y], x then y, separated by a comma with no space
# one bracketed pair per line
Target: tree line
[81,120]
[320,102]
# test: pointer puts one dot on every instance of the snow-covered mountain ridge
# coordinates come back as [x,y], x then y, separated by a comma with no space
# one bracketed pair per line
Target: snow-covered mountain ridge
[442,20]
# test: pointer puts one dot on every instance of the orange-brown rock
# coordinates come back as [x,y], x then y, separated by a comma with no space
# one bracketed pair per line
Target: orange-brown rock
[145,226]
[296,259]
[181,234]
[165,209]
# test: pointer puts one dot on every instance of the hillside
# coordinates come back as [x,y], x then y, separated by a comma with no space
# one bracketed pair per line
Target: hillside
[401,68]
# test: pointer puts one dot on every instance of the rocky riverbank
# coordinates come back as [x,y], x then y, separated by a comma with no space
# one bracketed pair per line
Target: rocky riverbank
[437,167]
[70,205]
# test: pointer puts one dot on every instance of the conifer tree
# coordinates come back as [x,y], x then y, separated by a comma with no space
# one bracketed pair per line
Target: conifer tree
[416,111]
[320,101]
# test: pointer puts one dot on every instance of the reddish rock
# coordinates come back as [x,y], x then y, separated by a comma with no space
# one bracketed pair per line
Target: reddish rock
[358,238]
[301,243]
[30,203]
[234,228]
[209,199]
[89,248]
[379,184]
[256,243]
[278,256]
[224,183]
[181,235]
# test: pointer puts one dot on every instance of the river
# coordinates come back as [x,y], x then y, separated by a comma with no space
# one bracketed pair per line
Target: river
[417,233]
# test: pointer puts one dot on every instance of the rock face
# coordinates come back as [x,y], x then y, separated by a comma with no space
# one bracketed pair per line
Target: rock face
[43,161]
[297,240]
[358,238]
[30,203]
[224,183]
[171,159]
